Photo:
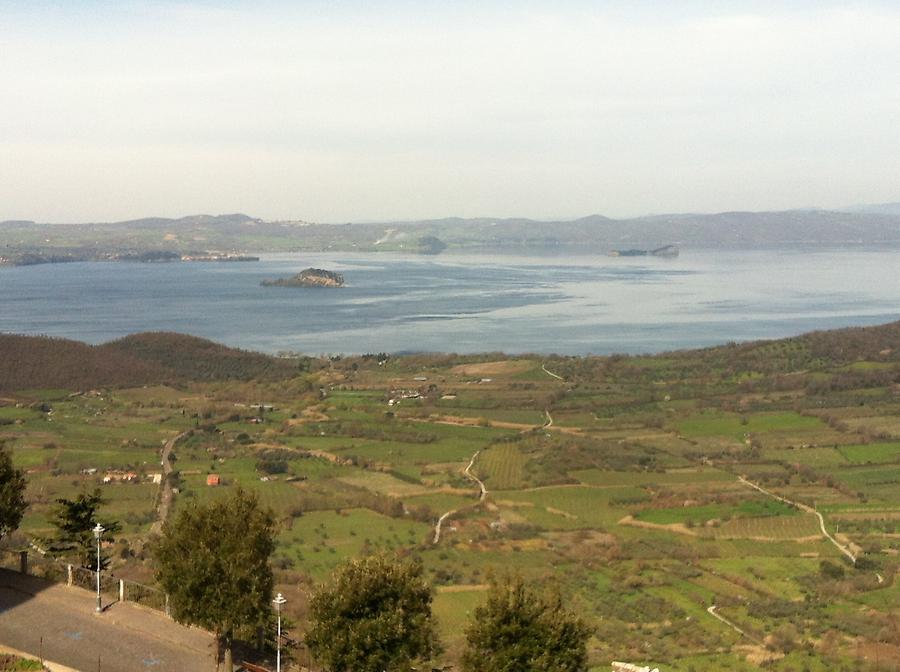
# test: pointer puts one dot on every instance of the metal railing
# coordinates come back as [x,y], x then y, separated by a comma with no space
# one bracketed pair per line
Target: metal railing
[34,563]
[113,587]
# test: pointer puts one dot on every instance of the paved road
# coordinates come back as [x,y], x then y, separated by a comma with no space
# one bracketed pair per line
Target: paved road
[125,637]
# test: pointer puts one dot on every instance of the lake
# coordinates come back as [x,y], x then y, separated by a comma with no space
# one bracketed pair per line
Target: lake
[464,303]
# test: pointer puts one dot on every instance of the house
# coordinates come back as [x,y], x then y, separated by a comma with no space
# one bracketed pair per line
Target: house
[120,477]
[628,667]
[156,478]
[213,479]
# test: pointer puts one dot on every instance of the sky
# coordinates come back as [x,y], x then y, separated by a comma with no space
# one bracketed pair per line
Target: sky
[363,111]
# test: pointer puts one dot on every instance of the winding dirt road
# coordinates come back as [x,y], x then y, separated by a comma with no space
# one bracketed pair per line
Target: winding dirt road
[483,493]
[731,624]
[165,489]
[550,373]
[808,509]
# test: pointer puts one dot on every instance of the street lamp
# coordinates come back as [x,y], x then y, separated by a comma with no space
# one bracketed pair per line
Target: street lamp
[279,601]
[98,531]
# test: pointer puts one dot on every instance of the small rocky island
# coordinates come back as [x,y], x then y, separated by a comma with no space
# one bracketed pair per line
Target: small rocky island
[669,251]
[310,277]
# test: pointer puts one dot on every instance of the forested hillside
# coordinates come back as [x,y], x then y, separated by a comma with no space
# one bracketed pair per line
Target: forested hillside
[34,362]
[198,359]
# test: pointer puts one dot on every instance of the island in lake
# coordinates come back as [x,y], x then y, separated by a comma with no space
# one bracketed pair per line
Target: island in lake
[310,277]
[665,251]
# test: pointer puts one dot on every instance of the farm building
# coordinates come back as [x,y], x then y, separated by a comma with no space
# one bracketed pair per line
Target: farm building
[120,477]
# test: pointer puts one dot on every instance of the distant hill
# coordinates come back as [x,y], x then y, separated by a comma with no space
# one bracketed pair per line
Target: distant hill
[880,343]
[235,233]
[39,362]
[198,359]
[34,362]
[854,358]
[29,362]
[876,209]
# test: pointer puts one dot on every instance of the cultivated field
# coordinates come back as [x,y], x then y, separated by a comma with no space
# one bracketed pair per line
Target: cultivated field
[618,481]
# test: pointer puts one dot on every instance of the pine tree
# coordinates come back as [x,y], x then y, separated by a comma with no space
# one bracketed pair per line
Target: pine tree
[75,520]
[12,495]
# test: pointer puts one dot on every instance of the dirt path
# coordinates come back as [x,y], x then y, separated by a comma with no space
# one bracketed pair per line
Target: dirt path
[165,488]
[679,528]
[469,474]
[803,507]
[731,624]
[463,421]
[482,494]
[550,373]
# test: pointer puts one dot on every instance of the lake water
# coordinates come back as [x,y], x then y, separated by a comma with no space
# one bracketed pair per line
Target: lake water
[472,303]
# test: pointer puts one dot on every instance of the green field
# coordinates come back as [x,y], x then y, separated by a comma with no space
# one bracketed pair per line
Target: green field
[502,466]
[736,427]
[872,453]
[748,508]
[318,541]
[630,503]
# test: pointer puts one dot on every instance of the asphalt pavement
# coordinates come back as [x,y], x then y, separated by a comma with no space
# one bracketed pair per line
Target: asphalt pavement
[61,623]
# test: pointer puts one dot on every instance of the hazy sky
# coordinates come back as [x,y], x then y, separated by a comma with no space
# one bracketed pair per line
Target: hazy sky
[348,111]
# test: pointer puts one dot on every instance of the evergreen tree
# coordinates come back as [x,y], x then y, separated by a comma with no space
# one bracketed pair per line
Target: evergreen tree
[374,616]
[213,561]
[12,495]
[75,520]
[521,630]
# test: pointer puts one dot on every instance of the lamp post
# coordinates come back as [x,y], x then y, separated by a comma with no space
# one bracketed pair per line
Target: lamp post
[98,531]
[279,600]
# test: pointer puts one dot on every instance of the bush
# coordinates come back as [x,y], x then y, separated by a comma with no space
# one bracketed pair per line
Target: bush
[374,616]
[521,630]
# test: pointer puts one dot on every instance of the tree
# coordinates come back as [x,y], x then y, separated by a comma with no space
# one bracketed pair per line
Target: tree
[12,495]
[521,630]
[75,520]
[374,616]
[213,561]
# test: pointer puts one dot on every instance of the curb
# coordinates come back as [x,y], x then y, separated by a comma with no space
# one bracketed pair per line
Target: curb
[53,667]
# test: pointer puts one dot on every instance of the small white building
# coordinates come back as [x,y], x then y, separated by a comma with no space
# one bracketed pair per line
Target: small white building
[629,667]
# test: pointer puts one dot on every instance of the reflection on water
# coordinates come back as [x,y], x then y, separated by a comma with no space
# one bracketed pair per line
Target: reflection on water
[464,303]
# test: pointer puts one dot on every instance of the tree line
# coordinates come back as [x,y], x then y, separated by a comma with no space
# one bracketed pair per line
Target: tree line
[374,615]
